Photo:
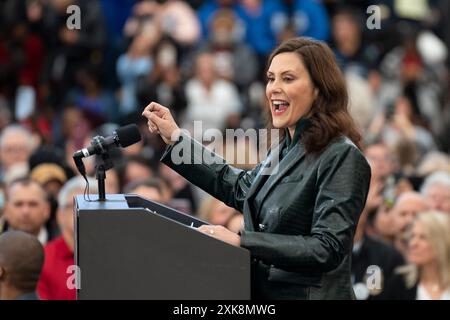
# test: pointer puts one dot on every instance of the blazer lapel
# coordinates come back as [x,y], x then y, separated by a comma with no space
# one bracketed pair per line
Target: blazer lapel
[260,178]
[265,170]
[249,223]
[291,159]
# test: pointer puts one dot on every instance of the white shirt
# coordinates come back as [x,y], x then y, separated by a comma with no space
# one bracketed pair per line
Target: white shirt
[211,107]
[422,294]
[43,236]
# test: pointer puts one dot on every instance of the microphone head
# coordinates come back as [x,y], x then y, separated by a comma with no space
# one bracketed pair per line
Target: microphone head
[128,135]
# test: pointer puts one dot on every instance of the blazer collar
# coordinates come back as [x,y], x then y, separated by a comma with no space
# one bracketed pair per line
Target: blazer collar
[293,156]
[301,125]
[269,165]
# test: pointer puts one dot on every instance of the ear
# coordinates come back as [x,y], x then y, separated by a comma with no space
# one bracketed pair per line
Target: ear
[316,93]
[47,210]
[6,210]
[2,273]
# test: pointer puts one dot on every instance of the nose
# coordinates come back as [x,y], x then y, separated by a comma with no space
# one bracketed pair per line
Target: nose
[274,86]
[25,214]
[273,92]
[25,211]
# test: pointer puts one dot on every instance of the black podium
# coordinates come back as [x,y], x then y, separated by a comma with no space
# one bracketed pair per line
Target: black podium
[128,247]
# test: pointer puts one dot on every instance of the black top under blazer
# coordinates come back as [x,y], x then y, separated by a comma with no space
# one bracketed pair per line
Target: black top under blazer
[299,221]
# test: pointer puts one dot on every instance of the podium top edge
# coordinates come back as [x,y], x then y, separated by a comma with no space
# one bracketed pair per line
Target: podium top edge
[113,201]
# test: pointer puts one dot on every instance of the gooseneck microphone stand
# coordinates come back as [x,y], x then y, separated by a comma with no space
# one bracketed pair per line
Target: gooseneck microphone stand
[104,163]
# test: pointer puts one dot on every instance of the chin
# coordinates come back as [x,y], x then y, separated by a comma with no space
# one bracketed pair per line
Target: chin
[278,124]
[418,261]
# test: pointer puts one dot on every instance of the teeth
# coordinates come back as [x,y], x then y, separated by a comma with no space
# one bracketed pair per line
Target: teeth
[278,103]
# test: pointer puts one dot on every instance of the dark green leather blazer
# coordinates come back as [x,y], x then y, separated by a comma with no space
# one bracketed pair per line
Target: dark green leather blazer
[299,221]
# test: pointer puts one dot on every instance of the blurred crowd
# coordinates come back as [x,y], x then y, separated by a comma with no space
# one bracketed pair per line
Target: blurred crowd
[206,60]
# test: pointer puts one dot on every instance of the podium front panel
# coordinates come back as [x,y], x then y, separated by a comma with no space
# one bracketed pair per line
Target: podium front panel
[129,252]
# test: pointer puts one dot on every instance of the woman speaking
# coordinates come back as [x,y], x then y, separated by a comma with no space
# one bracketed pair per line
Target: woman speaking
[300,220]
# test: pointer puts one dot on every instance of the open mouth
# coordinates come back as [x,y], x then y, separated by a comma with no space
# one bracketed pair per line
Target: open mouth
[279,107]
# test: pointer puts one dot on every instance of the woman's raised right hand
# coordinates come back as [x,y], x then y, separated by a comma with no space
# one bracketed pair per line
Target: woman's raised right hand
[160,121]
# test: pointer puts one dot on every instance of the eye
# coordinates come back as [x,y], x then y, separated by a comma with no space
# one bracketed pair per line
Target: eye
[287,79]
[270,78]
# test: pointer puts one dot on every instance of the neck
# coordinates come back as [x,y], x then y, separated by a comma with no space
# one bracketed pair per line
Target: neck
[400,244]
[291,132]
[385,237]
[34,232]
[207,85]
[8,292]
[349,48]
[68,239]
[429,274]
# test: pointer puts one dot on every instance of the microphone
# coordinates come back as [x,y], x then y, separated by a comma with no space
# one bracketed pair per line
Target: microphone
[122,137]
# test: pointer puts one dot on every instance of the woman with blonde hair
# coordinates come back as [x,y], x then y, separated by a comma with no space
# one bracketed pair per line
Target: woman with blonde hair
[428,275]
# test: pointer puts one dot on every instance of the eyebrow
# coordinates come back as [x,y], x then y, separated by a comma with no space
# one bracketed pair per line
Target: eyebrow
[284,72]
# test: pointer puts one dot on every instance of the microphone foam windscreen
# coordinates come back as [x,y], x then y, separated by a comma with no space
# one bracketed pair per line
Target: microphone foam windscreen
[128,135]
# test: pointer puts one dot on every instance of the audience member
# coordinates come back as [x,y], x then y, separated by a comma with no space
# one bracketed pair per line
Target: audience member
[428,275]
[371,256]
[436,188]
[27,209]
[21,260]
[59,253]
[215,212]
[150,189]
[406,207]
[16,146]
[213,101]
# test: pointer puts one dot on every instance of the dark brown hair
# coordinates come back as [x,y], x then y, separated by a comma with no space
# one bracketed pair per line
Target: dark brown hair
[329,117]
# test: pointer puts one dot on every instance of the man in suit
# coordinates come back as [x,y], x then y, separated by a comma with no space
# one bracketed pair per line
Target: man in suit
[373,263]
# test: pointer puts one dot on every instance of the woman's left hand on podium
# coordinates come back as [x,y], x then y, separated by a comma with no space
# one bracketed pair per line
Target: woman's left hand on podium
[221,233]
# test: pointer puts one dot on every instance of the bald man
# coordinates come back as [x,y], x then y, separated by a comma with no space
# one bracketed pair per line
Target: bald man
[16,146]
[405,209]
[436,188]
[407,206]
[21,261]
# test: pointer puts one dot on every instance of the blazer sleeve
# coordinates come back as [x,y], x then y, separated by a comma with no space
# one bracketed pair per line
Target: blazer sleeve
[342,184]
[209,171]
